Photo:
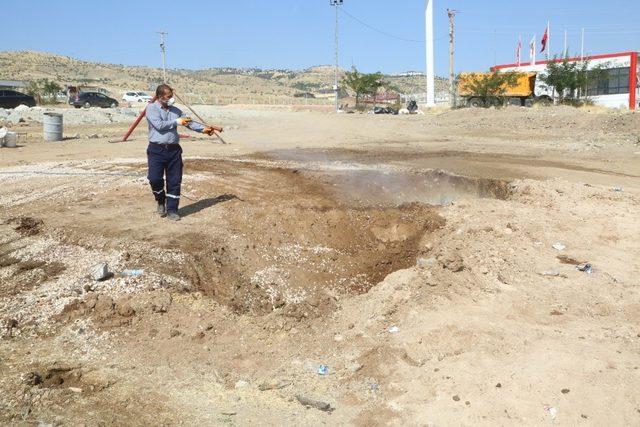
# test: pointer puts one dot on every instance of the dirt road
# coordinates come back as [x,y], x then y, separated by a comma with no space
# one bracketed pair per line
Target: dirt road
[412,255]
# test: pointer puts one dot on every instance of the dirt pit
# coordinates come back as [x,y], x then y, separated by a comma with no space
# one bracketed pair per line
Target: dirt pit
[297,240]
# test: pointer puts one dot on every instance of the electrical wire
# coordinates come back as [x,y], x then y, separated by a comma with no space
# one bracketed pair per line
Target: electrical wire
[384,33]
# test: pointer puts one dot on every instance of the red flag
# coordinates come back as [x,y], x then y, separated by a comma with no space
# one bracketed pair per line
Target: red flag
[545,39]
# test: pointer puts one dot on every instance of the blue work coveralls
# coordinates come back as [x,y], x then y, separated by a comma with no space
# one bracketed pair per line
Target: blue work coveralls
[164,153]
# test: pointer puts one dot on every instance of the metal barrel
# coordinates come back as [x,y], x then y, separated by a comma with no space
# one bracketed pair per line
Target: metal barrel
[10,139]
[52,125]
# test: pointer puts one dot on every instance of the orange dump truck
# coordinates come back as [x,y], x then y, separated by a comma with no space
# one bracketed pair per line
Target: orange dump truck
[522,93]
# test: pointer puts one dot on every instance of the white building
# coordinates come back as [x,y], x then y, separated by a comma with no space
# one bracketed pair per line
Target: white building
[618,88]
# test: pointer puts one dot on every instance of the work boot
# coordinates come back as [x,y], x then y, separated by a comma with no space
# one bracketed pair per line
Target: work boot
[162,211]
[173,216]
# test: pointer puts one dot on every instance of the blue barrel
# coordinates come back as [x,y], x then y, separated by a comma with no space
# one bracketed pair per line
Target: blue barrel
[52,125]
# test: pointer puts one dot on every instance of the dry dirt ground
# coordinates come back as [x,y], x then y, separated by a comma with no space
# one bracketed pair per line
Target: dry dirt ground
[412,255]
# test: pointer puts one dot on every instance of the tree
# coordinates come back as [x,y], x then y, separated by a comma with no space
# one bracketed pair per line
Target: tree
[35,90]
[489,87]
[43,88]
[563,77]
[357,82]
[567,77]
[50,89]
[363,83]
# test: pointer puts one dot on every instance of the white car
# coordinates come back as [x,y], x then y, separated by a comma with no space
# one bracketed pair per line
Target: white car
[136,97]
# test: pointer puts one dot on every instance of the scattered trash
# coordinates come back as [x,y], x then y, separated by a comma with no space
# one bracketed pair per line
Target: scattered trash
[373,386]
[384,110]
[586,267]
[617,189]
[550,273]
[274,385]
[241,384]
[567,259]
[229,413]
[75,389]
[565,390]
[312,403]
[100,272]
[393,329]
[323,370]
[132,272]
[354,367]
[426,262]
[558,246]
[553,412]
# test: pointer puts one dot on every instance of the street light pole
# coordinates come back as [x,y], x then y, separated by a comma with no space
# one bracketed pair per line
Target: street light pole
[428,14]
[164,71]
[452,92]
[336,4]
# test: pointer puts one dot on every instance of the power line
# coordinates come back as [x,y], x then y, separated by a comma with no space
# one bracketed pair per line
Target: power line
[377,30]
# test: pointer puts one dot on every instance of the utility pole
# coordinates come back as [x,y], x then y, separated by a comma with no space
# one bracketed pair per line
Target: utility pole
[431,86]
[452,92]
[336,4]
[162,48]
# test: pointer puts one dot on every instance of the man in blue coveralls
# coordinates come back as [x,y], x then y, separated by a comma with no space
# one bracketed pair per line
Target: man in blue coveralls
[164,153]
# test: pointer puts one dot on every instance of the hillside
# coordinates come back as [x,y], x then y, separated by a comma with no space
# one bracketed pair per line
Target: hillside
[212,85]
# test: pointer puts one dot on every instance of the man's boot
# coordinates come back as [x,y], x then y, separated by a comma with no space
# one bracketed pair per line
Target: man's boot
[161,209]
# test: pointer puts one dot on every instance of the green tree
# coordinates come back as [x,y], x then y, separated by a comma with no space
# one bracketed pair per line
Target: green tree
[567,77]
[365,84]
[374,82]
[34,89]
[489,87]
[563,77]
[43,88]
[357,82]
[50,89]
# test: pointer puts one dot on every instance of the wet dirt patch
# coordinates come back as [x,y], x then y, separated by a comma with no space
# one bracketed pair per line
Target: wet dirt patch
[290,255]
[299,239]
[26,226]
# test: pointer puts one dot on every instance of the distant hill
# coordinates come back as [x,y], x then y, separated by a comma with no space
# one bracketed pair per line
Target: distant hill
[213,85]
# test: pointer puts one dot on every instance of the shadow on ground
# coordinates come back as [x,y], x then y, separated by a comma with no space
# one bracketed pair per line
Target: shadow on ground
[205,203]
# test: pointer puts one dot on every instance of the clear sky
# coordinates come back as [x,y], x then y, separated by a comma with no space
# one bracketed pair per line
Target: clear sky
[374,34]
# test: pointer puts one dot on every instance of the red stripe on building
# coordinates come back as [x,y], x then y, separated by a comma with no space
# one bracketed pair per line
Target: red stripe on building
[633,80]
[574,59]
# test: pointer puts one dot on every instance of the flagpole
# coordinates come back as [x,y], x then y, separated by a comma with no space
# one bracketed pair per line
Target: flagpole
[519,49]
[564,52]
[548,39]
[535,48]
[582,46]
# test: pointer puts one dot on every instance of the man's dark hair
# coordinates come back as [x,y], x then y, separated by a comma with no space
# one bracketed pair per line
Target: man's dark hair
[163,89]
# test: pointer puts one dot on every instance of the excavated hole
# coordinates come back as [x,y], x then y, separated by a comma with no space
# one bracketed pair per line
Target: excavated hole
[298,240]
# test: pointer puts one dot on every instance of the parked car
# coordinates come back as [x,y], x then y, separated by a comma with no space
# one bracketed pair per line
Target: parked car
[11,99]
[136,97]
[93,99]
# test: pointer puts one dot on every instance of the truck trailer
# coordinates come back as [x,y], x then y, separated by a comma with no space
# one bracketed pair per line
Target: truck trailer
[526,91]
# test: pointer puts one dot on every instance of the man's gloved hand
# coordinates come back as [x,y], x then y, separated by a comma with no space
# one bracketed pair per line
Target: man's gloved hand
[211,130]
[183,121]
